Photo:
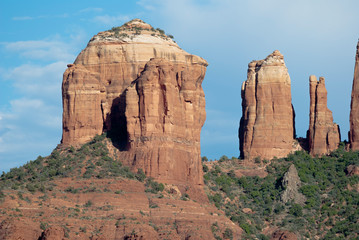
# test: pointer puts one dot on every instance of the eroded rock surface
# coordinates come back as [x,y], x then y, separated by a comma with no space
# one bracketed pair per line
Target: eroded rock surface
[267,124]
[164,115]
[93,86]
[323,135]
[354,107]
[291,182]
[153,109]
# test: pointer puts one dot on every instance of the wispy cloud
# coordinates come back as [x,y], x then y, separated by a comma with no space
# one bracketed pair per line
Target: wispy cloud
[112,20]
[47,49]
[23,18]
[26,18]
[32,120]
[148,5]
[90,9]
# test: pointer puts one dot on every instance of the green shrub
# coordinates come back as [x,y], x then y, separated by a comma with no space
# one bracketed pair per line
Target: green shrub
[140,176]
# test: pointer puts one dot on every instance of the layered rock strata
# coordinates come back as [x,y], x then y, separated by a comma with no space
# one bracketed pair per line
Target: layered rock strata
[354,107]
[165,111]
[267,124]
[154,112]
[323,135]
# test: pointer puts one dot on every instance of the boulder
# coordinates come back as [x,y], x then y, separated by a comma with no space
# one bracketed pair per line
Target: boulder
[323,135]
[267,124]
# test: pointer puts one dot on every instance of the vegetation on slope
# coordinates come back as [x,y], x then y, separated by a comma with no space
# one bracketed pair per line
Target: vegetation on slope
[254,203]
[92,160]
[330,211]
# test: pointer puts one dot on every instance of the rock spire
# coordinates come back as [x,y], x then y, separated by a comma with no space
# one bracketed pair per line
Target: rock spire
[323,135]
[354,107]
[267,124]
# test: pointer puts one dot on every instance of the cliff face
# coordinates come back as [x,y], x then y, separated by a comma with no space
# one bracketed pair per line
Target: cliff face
[165,114]
[323,134]
[153,113]
[354,107]
[267,123]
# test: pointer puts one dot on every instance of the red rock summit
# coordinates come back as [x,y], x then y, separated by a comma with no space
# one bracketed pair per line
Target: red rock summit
[137,84]
[323,135]
[354,107]
[267,124]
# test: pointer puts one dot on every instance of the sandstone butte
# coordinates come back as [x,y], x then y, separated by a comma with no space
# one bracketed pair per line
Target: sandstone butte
[267,124]
[139,86]
[323,135]
[354,107]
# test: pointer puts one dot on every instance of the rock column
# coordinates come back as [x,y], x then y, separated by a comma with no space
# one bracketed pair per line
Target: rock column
[267,124]
[354,107]
[323,135]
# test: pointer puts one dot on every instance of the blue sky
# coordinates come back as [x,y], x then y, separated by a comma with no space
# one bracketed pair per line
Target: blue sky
[39,38]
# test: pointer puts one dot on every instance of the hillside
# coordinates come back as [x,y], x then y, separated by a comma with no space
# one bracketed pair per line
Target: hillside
[329,185]
[87,193]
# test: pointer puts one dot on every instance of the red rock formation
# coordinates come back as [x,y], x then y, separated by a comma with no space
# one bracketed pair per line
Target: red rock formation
[354,107]
[154,113]
[267,123]
[323,135]
[165,114]
[94,84]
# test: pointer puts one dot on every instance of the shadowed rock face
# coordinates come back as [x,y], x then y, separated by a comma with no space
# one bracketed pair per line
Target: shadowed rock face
[354,107]
[323,135]
[154,114]
[267,123]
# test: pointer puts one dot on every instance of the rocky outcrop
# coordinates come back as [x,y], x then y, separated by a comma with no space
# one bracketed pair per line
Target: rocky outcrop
[352,170]
[283,235]
[354,107]
[323,135]
[53,233]
[267,124]
[291,183]
[152,109]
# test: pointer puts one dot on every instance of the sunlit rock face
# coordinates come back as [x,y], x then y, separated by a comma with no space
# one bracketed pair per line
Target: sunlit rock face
[165,111]
[323,135]
[354,107]
[137,84]
[267,124]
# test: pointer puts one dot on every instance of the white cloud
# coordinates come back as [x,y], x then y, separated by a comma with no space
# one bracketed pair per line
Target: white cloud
[148,5]
[91,9]
[23,18]
[112,20]
[47,49]
[26,18]
[30,124]
[32,79]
